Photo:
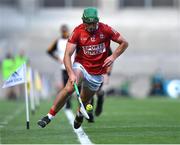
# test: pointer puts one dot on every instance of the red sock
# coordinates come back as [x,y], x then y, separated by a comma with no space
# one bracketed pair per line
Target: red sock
[52,112]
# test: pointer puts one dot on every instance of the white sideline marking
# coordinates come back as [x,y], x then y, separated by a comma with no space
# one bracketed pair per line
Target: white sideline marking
[0,132]
[83,138]
[8,119]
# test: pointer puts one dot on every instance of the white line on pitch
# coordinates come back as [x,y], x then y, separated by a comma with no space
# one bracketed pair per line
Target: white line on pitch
[1,126]
[83,138]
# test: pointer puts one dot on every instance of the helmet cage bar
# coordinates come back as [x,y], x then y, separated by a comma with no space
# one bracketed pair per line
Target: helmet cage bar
[90,20]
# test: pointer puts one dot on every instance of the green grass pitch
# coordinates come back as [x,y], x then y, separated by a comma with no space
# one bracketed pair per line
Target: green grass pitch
[147,121]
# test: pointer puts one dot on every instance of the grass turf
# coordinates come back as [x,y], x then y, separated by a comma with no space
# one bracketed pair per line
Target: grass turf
[155,121]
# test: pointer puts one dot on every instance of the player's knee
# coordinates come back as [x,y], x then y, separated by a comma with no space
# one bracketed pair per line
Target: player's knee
[69,89]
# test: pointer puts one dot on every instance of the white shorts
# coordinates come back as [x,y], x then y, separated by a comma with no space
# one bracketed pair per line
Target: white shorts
[93,82]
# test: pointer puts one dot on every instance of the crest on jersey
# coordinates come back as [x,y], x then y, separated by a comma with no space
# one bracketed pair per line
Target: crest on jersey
[93,38]
[101,36]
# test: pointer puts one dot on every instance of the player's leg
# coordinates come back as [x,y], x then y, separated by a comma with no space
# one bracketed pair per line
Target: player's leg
[66,92]
[90,85]
[86,96]
[91,113]
[100,101]
[59,102]
[61,99]
[65,79]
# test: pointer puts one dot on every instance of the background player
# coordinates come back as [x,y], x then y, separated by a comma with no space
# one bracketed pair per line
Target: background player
[57,50]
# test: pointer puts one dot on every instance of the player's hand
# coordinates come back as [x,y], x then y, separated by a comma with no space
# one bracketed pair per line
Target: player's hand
[73,78]
[108,61]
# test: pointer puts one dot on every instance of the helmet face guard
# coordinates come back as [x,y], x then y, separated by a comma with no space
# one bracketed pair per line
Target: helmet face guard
[89,20]
[91,27]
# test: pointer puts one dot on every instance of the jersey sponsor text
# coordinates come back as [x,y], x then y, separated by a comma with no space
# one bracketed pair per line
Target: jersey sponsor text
[94,49]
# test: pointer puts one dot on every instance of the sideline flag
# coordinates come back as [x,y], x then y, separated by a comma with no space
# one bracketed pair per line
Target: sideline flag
[16,77]
[19,77]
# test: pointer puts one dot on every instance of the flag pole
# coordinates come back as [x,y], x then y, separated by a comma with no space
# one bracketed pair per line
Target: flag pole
[32,100]
[26,98]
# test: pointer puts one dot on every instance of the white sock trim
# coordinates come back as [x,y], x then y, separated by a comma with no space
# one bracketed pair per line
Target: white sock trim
[50,116]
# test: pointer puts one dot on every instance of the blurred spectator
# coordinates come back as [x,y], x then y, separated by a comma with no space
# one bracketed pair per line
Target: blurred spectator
[7,67]
[20,58]
[124,88]
[157,83]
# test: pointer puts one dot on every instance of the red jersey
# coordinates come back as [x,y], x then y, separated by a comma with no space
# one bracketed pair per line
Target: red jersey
[93,49]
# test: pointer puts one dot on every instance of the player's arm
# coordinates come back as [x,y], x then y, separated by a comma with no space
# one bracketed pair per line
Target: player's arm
[109,70]
[51,51]
[70,48]
[123,44]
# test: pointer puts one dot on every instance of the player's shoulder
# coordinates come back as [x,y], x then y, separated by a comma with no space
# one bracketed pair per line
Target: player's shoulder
[105,28]
[103,25]
[79,27]
[61,40]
